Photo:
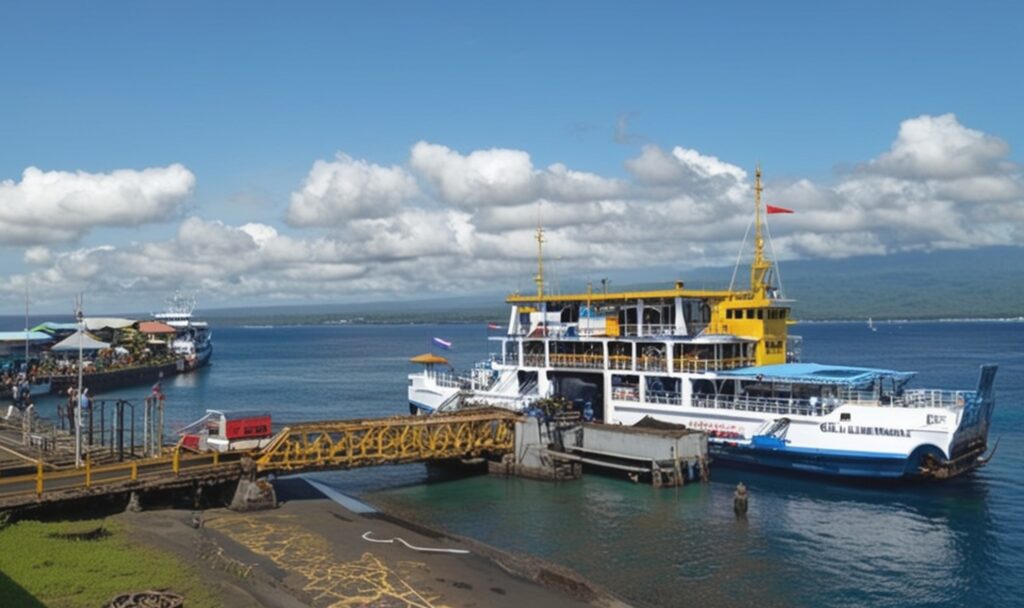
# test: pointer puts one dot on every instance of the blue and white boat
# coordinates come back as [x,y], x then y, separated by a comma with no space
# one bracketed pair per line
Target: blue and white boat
[193,340]
[722,362]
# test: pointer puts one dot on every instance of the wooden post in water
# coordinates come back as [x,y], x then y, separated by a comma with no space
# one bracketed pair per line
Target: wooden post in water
[739,500]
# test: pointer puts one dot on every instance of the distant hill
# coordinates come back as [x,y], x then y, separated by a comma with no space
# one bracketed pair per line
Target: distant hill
[978,283]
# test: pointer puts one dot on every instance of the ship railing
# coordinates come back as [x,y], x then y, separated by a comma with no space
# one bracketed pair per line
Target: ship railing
[650,329]
[534,360]
[768,405]
[921,397]
[693,365]
[592,331]
[652,364]
[664,397]
[587,361]
[622,362]
[626,393]
[447,380]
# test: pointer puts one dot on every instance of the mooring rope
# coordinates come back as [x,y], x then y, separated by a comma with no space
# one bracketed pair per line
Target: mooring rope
[366,537]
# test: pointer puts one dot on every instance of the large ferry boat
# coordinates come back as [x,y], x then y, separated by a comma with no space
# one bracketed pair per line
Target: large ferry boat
[720,361]
[193,340]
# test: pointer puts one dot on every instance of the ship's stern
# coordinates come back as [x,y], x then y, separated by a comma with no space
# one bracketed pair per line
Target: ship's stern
[969,442]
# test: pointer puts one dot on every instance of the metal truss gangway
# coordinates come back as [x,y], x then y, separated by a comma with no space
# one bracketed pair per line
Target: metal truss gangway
[298,448]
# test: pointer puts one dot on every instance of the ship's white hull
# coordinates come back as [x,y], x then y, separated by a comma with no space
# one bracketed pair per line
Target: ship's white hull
[855,440]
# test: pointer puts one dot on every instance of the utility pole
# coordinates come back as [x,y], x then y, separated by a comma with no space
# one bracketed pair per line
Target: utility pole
[26,334]
[78,398]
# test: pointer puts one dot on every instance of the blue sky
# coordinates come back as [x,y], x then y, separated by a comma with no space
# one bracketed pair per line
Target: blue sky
[248,96]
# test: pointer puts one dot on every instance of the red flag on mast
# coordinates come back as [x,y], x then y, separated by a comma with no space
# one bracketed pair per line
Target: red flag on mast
[773,209]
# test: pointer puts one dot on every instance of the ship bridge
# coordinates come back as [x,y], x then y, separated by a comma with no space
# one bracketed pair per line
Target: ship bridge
[748,326]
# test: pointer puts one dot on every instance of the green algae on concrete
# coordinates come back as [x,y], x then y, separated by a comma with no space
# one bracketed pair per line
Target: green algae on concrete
[70,564]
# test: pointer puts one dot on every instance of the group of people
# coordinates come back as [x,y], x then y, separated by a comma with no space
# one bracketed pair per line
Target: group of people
[75,400]
[20,388]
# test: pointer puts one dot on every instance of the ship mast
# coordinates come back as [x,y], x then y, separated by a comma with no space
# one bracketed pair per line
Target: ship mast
[760,266]
[539,279]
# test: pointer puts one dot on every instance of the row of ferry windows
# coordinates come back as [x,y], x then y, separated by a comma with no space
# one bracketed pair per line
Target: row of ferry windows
[755,313]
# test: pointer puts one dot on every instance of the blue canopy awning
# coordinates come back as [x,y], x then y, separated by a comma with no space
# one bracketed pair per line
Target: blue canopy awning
[814,373]
[20,336]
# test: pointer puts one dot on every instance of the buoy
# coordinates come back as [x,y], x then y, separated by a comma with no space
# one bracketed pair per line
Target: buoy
[739,500]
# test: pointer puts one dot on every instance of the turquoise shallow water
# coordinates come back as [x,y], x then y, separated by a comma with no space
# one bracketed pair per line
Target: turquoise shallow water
[805,542]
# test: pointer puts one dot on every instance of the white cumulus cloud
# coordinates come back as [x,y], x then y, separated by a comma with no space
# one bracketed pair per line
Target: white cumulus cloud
[465,221]
[59,206]
[940,147]
[498,177]
[345,188]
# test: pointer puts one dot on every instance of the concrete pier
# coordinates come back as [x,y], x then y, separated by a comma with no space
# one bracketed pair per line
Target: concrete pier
[558,450]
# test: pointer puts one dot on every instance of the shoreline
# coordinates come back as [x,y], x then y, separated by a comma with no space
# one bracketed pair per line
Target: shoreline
[315,550]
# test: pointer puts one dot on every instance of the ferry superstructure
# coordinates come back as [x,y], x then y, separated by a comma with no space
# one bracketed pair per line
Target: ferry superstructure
[193,340]
[721,361]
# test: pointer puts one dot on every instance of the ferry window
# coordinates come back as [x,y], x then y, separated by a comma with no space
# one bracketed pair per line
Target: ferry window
[750,313]
[844,417]
[760,313]
[728,314]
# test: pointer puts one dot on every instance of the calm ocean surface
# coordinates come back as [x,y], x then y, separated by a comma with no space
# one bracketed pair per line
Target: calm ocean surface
[804,543]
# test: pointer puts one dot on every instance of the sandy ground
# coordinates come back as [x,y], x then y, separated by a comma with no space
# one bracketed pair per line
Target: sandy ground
[311,552]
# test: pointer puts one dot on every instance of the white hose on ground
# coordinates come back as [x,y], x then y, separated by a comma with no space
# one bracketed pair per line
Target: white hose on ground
[366,537]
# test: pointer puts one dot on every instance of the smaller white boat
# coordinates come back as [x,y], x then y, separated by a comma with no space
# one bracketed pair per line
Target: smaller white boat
[194,340]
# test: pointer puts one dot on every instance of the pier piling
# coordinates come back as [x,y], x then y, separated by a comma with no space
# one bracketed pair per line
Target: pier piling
[740,500]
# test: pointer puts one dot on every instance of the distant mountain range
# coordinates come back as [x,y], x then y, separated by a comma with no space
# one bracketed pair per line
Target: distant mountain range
[967,284]
[977,283]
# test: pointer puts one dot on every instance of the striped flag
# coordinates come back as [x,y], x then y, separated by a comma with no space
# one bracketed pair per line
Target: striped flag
[445,344]
[493,326]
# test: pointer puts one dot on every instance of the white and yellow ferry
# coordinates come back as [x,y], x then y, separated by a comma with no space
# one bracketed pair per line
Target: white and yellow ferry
[722,362]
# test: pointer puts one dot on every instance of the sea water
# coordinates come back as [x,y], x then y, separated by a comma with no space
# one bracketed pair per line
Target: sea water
[804,542]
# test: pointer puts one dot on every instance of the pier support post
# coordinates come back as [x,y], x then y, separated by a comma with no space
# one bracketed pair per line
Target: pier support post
[739,500]
[252,494]
[134,503]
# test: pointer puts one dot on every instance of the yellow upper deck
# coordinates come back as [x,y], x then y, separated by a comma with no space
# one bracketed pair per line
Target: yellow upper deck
[752,313]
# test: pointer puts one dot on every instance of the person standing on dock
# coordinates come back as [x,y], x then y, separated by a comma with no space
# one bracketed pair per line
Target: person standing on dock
[158,388]
[70,409]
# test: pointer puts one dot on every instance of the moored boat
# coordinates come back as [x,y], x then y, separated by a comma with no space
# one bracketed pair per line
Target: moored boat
[721,361]
[193,341]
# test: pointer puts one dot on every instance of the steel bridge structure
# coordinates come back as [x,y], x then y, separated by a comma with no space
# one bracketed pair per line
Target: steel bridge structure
[305,447]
